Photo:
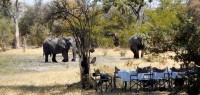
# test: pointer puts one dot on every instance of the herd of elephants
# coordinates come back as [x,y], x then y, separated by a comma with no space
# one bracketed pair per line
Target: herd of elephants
[53,45]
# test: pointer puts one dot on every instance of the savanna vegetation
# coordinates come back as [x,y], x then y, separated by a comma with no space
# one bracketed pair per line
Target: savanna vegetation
[171,25]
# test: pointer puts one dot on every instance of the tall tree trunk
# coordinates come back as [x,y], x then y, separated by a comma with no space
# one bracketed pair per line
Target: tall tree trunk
[16,25]
[3,45]
[16,33]
[24,43]
[84,69]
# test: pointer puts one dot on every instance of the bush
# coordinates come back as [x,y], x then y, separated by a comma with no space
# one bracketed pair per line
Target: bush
[123,53]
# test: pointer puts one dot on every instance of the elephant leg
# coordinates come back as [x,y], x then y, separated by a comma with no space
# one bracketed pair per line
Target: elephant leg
[136,54]
[46,57]
[65,55]
[135,51]
[74,55]
[54,58]
[132,49]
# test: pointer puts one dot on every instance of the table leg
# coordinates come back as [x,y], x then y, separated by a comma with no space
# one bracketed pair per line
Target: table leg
[125,85]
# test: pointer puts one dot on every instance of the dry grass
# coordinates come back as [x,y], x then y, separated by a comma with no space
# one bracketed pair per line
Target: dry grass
[25,73]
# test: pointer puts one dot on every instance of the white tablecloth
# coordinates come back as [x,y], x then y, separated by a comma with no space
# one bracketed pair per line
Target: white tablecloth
[125,75]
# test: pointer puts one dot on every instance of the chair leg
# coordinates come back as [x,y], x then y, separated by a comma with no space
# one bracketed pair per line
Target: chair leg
[106,86]
[114,82]
[130,85]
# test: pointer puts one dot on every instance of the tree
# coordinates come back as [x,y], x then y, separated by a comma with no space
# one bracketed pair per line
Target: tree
[16,20]
[4,7]
[161,23]
[187,46]
[6,35]
[194,11]
[188,35]
[33,25]
[80,17]
[12,10]
[122,25]
[135,7]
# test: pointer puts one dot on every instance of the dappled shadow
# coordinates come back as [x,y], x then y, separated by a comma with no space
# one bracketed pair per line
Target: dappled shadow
[52,89]
[58,89]
[66,89]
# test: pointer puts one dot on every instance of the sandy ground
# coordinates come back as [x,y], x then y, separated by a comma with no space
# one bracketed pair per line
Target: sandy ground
[26,73]
[107,57]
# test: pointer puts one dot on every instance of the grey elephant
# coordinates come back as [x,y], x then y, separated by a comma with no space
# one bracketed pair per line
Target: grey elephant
[53,46]
[136,44]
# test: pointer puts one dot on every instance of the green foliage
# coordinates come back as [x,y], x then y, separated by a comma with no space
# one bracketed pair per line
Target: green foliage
[33,24]
[27,21]
[127,7]
[194,12]
[6,36]
[38,34]
[157,30]
[161,25]
[119,19]
[187,43]
[122,25]
[4,7]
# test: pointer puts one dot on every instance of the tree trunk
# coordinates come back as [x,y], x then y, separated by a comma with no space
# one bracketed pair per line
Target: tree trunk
[84,69]
[3,43]
[16,33]
[16,25]
[24,43]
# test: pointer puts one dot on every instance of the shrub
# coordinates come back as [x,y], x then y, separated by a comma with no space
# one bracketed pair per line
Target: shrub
[123,53]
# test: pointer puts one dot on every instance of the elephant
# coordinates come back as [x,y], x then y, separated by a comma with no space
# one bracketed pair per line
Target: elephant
[53,46]
[115,38]
[136,43]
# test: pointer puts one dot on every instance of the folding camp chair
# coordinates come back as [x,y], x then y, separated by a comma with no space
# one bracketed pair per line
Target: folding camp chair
[115,77]
[161,78]
[177,77]
[134,81]
[147,78]
[101,80]
[142,79]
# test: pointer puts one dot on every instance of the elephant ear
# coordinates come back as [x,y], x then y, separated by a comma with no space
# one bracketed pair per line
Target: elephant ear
[62,44]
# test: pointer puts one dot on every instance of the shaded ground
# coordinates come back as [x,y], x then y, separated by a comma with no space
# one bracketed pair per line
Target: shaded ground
[26,73]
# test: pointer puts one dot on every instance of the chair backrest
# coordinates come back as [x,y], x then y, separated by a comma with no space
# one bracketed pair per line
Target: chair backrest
[173,69]
[116,70]
[177,72]
[159,70]
[96,72]
[160,73]
[143,70]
